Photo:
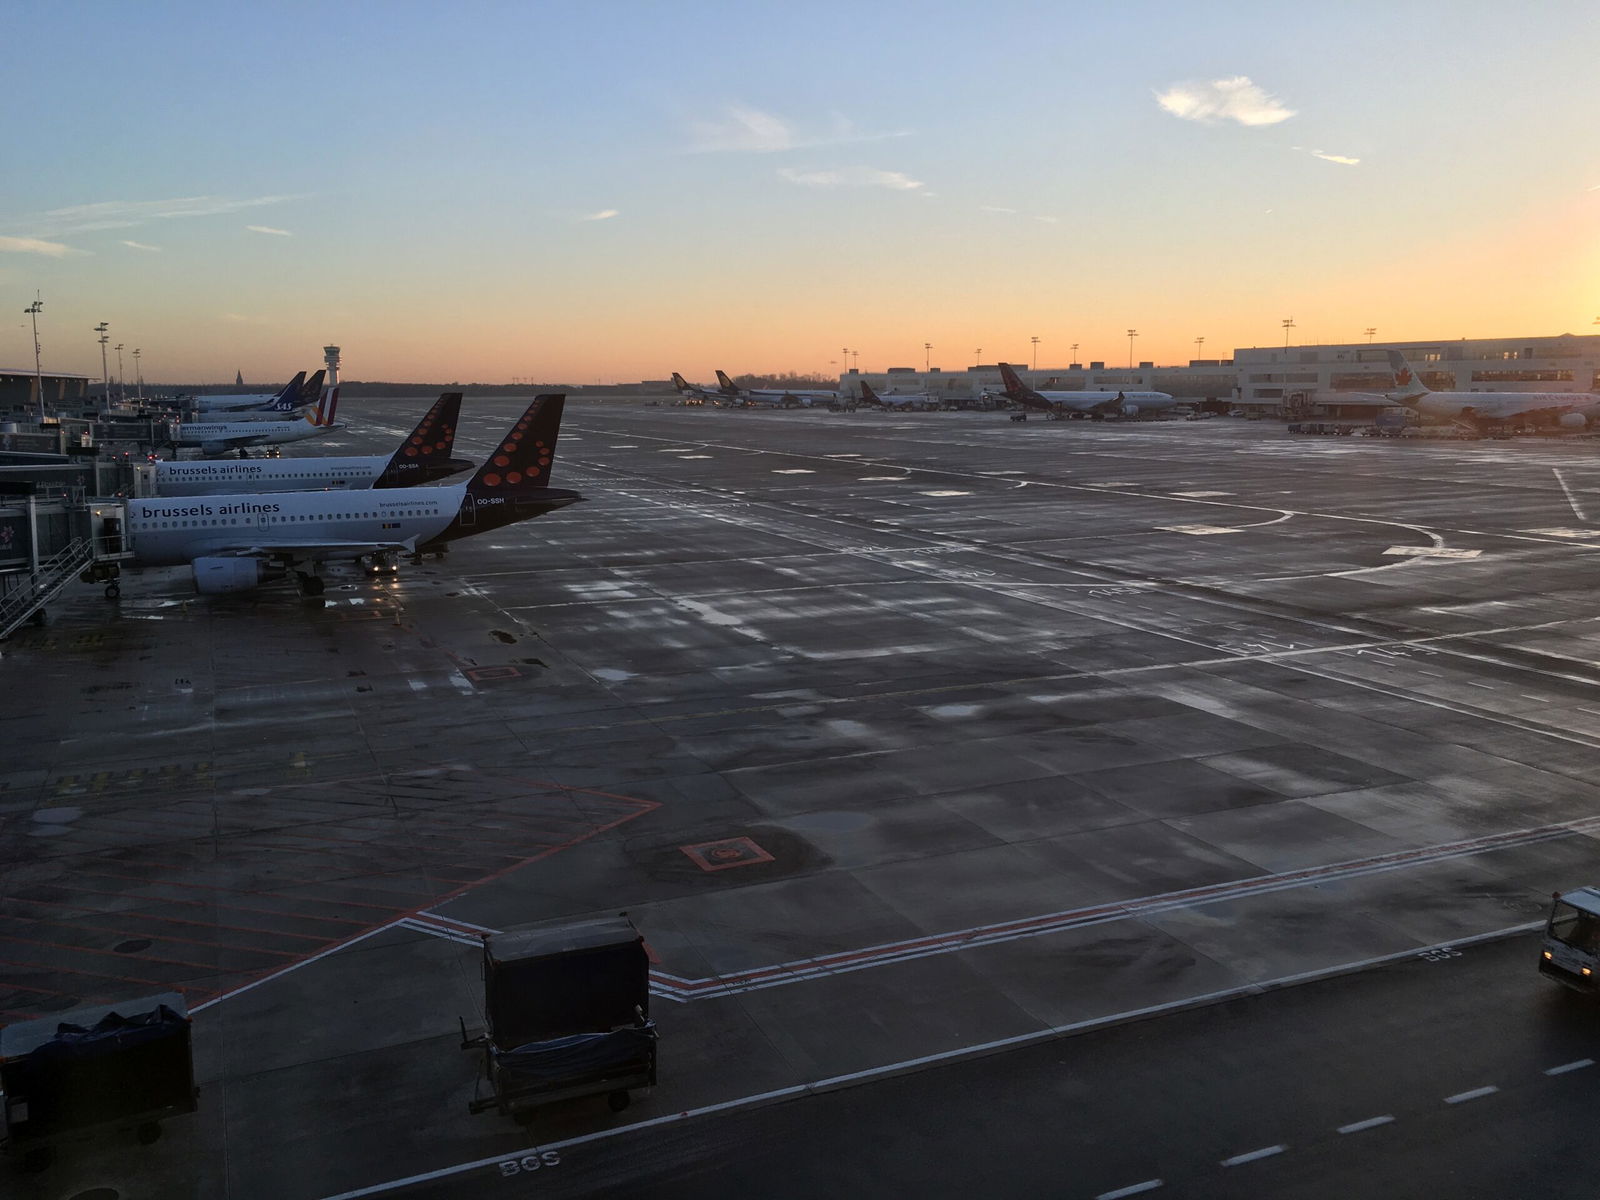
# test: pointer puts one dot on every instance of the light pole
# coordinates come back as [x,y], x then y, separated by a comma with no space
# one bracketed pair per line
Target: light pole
[927,356]
[845,355]
[1035,342]
[105,372]
[977,356]
[1074,352]
[1198,342]
[856,365]
[33,310]
[1288,324]
[122,378]
[1372,331]
[1132,333]
[138,375]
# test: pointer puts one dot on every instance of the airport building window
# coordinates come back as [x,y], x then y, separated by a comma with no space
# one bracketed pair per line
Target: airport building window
[1549,375]
[1301,377]
[1269,393]
[1364,382]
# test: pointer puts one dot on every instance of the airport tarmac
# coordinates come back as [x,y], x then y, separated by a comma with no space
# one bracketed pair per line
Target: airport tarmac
[899,736]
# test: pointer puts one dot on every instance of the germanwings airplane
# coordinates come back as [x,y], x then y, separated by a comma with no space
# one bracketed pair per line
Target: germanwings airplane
[1082,404]
[921,402]
[421,458]
[1571,410]
[222,437]
[774,397]
[234,542]
[298,393]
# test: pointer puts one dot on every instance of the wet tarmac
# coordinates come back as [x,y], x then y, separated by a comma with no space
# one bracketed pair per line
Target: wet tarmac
[897,735]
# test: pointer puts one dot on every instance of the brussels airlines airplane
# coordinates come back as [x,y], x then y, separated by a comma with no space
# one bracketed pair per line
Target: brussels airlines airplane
[694,391]
[234,542]
[1085,404]
[421,458]
[922,402]
[221,437]
[774,397]
[1572,410]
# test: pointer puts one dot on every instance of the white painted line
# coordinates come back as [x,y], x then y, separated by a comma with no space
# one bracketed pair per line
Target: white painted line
[1474,1094]
[1369,1123]
[944,493]
[1430,552]
[1264,1152]
[1575,1065]
[1572,501]
[1197,530]
[1133,1189]
[1593,712]
[1488,687]
[1200,495]
[794,471]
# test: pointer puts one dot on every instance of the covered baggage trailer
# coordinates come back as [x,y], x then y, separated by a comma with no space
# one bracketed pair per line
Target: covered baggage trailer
[94,1070]
[566,1014]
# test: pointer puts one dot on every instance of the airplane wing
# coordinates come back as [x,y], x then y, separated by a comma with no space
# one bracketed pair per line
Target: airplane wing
[312,550]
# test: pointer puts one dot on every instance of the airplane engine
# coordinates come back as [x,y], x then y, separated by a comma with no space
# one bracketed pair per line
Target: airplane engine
[1572,421]
[214,576]
[1130,410]
[211,449]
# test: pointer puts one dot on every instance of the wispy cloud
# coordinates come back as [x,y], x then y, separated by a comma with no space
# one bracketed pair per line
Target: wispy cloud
[1341,159]
[234,318]
[269,229]
[896,181]
[1049,220]
[28,245]
[605,214]
[997,210]
[1235,99]
[140,246]
[745,130]
[125,214]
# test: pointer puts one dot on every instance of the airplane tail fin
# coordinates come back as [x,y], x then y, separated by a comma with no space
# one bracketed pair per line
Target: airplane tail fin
[1018,391]
[429,445]
[728,385]
[679,382]
[324,419]
[1406,384]
[311,393]
[521,462]
[868,395]
[289,397]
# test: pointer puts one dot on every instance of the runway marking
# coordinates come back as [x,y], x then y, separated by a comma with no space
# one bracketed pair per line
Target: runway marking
[1474,1094]
[1133,1189]
[1369,1123]
[1197,530]
[1252,1156]
[1200,495]
[1576,1065]
[793,471]
[1572,501]
[944,493]
[1429,552]
[960,1054]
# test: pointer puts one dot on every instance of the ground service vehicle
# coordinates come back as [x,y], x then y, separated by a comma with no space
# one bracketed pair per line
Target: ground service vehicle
[1571,953]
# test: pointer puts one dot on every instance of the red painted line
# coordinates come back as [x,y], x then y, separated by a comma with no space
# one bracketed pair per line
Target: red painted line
[33,966]
[86,914]
[131,895]
[210,968]
[142,933]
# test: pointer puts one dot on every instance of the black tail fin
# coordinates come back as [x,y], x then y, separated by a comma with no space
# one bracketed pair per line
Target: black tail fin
[311,393]
[679,382]
[422,455]
[521,462]
[728,385]
[1018,391]
[290,395]
[867,394]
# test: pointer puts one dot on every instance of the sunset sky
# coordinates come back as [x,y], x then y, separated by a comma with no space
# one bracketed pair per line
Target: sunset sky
[613,191]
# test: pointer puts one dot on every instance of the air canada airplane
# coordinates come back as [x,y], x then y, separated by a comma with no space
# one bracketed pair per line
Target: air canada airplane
[1571,410]
[422,457]
[298,393]
[235,542]
[1082,404]
[921,402]
[222,437]
[774,397]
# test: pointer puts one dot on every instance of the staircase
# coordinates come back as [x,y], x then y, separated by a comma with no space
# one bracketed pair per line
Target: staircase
[54,573]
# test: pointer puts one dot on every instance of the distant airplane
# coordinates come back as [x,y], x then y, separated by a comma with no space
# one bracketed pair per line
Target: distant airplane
[775,397]
[1082,404]
[297,393]
[236,541]
[695,391]
[224,437]
[921,402]
[422,457]
[1570,410]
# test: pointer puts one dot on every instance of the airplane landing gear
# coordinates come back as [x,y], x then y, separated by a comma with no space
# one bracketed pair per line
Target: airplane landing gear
[243,453]
[113,590]
[311,586]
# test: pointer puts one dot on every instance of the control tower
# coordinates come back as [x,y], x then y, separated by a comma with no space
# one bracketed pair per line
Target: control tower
[330,356]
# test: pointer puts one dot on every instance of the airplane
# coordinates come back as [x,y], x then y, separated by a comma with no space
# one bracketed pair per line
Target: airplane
[1082,404]
[423,457]
[690,391]
[221,437]
[1570,410]
[236,541]
[297,393]
[921,402]
[775,397]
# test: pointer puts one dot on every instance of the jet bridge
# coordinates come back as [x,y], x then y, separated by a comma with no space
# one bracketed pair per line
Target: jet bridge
[57,522]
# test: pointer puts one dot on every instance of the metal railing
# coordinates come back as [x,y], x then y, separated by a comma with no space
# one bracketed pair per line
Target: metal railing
[54,573]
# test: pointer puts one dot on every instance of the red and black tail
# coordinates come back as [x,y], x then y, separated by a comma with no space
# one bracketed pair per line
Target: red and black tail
[513,482]
[868,395]
[425,455]
[1020,392]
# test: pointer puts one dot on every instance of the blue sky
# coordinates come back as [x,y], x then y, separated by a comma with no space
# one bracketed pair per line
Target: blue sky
[577,192]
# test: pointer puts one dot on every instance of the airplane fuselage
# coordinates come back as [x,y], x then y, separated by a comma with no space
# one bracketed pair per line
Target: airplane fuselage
[201,477]
[1499,406]
[220,436]
[1090,401]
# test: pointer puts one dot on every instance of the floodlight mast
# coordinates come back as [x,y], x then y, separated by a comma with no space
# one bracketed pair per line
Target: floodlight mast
[34,310]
